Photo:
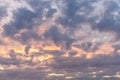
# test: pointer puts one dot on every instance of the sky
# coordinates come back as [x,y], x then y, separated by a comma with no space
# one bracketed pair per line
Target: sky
[49,39]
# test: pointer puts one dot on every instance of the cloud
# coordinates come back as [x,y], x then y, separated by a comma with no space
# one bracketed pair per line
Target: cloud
[58,38]
[88,46]
[23,19]
[26,20]
[22,74]
[105,60]
[27,48]
[108,22]
[73,35]
[71,8]
[9,30]
[71,14]
[26,36]
[72,63]
[51,12]
[3,12]
[112,6]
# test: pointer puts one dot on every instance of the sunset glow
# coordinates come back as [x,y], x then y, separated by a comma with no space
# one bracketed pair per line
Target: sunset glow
[59,39]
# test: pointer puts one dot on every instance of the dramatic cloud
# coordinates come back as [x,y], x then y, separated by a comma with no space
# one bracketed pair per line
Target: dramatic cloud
[109,22]
[58,36]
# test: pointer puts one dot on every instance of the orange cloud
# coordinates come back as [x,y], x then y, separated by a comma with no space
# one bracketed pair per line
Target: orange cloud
[105,48]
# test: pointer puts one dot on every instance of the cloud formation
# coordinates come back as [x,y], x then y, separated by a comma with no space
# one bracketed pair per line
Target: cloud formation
[71,34]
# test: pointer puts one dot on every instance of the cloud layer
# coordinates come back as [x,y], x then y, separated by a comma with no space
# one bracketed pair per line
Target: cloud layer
[57,34]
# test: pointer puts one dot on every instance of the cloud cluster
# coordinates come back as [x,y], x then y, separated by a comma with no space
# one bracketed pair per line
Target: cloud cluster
[70,33]
[24,75]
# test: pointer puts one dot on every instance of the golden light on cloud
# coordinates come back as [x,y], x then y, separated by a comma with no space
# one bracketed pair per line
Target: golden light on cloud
[105,48]
[89,55]
[52,48]
[19,49]
[66,54]
[55,75]
[44,57]
[37,46]
[33,49]
[80,52]
[59,39]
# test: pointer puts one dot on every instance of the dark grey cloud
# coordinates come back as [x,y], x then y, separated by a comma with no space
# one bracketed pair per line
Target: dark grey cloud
[22,75]
[112,6]
[107,24]
[3,12]
[88,46]
[36,5]
[26,36]
[17,60]
[72,8]
[23,19]
[106,60]
[71,12]
[69,63]
[71,22]
[54,34]
[7,61]
[42,5]
[9,30]
[73,17]
[51,12]
[27,48]
[70,19]
[108,21]
[72,63]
